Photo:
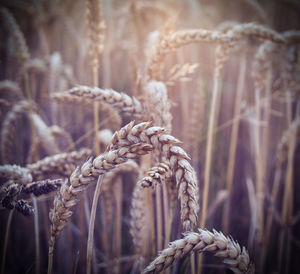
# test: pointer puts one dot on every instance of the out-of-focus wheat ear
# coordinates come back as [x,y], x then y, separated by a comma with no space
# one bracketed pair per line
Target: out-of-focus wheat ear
[23,207]
[261,64]
[139,228]
[9,130]
[168,43]
[13,90]
[95,27]
[42,187]
[196,121]
[120,101]
[10,195]
[16,34]
[157,99]
[112,114]
[248,30]
[17,174]
[62,163]
[233,256]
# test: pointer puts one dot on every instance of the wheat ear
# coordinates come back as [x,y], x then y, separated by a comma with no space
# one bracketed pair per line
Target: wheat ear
[233,256]
[120,101]
[62,163]
[9,130]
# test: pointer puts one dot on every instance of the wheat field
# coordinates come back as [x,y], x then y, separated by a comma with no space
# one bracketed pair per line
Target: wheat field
[147,136]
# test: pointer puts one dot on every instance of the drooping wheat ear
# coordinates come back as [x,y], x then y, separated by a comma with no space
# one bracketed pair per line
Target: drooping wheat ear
[62,163]
[109,181]
[290,63]
[61,212]
[157,100]
[17,174]
[35,65]
[105,108]
[289,67]
[254,30]
[292,36]
[262,63]
[285,140]
[9,199]
[42,187]
[9,130]
[13,88]
[120,101]
[21,48]
[156,175]
[169,43]
[139,228]
[233,256]
[95,28]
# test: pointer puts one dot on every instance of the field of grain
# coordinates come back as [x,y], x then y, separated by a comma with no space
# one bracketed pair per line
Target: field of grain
[146,136]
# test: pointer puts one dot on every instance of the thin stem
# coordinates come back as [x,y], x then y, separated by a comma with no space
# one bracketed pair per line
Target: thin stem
[233,141]
[209,155]
[118,221]
[96,109]
[92,225]
[37,238]
[7,230]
